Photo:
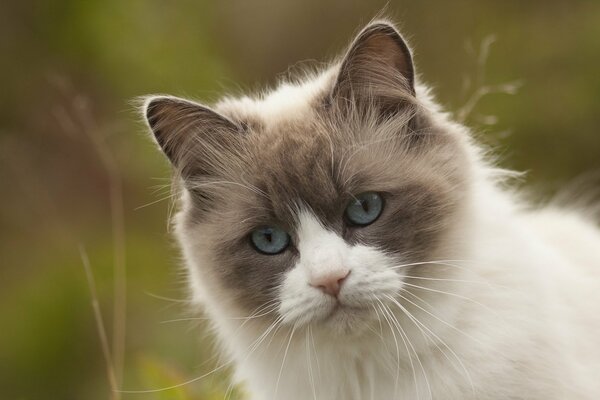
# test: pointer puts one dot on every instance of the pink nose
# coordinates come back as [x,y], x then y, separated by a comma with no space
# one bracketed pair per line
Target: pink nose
[331,283]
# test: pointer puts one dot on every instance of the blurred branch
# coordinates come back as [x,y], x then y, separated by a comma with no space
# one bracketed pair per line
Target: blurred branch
[112,381]
[481,89]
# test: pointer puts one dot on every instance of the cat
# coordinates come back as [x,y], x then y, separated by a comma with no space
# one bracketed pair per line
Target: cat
[349,240]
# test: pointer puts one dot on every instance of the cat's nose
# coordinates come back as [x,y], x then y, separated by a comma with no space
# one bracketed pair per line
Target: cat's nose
[330,283]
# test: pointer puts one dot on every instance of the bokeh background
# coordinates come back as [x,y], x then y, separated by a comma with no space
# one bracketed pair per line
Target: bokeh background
[80,177]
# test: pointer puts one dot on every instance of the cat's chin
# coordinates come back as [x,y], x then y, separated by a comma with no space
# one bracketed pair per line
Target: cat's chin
[346,321]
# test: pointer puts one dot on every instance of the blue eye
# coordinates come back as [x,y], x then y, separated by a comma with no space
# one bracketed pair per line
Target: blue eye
[364,209]
[270,240]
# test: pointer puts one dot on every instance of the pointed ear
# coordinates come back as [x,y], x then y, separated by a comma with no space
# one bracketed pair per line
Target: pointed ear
[192,136]
[377,70]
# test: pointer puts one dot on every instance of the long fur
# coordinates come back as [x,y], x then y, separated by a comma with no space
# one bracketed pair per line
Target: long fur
[496,300]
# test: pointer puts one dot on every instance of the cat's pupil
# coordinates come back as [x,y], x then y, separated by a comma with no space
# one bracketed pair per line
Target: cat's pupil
[269,236]
[365,205]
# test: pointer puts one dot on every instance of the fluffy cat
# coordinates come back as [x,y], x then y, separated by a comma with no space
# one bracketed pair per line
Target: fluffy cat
[350,241]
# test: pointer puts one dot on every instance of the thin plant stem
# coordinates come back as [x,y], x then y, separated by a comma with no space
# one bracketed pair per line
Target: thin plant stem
[118,234]
[112,380]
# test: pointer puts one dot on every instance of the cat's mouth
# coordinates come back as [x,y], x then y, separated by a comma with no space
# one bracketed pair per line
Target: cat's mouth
[345,319]
[329,313]
[344,311]
[343,307]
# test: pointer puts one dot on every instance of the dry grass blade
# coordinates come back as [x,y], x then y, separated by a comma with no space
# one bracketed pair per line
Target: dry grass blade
[112,380]
[118,230]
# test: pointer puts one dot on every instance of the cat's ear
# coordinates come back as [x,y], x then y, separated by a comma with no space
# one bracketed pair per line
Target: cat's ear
[377,70]
[192,136]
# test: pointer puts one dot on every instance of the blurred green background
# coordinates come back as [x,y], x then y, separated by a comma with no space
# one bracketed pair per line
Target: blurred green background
[72,151]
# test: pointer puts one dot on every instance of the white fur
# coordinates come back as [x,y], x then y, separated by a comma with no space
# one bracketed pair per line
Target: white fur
[369,273]
[519,319]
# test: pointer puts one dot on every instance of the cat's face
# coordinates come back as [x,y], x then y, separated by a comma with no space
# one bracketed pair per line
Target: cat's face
[309,212]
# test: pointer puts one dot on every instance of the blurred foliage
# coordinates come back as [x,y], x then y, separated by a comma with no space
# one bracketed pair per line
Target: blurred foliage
[68,73]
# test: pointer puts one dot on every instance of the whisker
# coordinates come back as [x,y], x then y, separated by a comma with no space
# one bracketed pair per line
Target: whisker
[416,321]
[451,280]
[451,294]
[274,308]
[440,262]
[403,333]
[438,318]
[378,334]
[379,321]
[312,339]
[273,327]
[248,187]
[397,348]
[253,346]
[190,381]
[309,365]
[283,361]
[257,342]
[266,305]
[159,297]
[156,201]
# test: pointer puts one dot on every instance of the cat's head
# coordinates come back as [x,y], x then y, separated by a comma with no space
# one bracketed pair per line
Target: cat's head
[306,204]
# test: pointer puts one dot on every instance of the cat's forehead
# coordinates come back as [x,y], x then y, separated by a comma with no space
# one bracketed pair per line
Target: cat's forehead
[317,162]
[295,164]
[299,153]
[290,155]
